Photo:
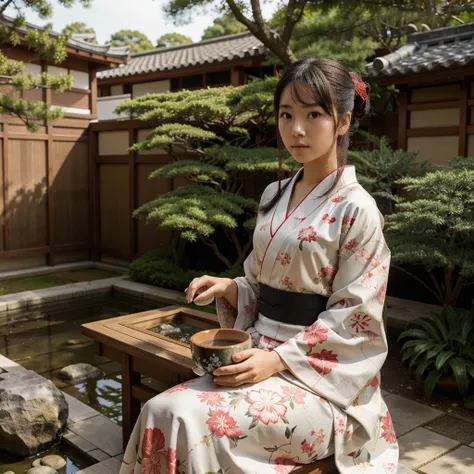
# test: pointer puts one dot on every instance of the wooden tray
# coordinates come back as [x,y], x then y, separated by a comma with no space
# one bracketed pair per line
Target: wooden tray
[197,319]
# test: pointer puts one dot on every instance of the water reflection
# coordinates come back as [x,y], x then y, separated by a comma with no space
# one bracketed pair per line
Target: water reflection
[47,339]
[75,461]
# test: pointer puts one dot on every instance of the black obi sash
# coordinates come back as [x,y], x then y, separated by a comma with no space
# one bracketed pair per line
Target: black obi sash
[290,307]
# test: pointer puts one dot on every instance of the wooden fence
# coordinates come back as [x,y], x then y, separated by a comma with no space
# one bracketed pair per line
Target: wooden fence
[44,198]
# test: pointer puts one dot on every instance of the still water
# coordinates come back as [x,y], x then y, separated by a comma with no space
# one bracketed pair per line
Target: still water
[49,338]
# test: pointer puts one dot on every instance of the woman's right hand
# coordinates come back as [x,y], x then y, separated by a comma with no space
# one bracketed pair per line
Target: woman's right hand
[206,286]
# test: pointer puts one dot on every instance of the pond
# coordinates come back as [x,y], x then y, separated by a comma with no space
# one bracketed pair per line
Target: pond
[75,461]
[49,338]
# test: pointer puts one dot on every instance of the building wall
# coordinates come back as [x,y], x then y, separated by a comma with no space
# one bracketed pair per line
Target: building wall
[437,120]
[156,87]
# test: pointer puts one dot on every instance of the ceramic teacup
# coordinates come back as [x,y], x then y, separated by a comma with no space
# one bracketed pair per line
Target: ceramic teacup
[214,348]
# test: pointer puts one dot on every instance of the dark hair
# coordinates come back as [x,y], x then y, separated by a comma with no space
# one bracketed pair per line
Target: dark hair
[331,85]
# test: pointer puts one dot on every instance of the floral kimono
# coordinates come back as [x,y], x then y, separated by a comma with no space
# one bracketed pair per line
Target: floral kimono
[329,402]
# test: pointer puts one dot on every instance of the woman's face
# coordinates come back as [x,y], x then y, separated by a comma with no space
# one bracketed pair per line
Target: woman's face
[308,132]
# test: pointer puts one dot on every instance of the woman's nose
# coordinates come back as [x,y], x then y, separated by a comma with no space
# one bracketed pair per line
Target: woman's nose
[298,130]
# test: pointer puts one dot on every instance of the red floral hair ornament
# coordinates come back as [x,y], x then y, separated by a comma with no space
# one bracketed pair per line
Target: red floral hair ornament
[359,86]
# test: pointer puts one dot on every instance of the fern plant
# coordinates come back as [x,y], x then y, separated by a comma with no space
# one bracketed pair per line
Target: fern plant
[441,345]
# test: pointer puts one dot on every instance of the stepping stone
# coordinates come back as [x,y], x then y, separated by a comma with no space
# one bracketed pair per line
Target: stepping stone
[110,466]
[421,446]
[459,461]
[407,414]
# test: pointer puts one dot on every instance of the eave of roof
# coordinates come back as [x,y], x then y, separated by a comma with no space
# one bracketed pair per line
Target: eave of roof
[215,50]
[437,50]
[76,42]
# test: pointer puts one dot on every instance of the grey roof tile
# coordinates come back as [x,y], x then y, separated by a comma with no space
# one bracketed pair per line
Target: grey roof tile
[77,41]
[215,50]
[443,48]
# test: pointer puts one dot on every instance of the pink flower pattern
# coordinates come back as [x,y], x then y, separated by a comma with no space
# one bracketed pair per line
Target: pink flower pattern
[351,245]
[360,322]
[328,219]
[222,424]
[388,430]
[264,226]
[347,223]
[266,405]
[287,282]
[294,393]
[315,334]
[338,199]
[211,399]
[323,362]
[307,447]
[381,294]
[284,258]
[152,445]
[284,464]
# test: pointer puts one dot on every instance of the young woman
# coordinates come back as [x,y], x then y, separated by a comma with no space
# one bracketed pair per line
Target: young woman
[312,298]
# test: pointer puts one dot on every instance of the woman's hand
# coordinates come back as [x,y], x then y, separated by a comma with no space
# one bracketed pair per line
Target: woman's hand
[206,286]
[255,365]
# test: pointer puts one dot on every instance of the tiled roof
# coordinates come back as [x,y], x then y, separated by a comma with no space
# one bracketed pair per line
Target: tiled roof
[76,42]
[216,50]
[443,48]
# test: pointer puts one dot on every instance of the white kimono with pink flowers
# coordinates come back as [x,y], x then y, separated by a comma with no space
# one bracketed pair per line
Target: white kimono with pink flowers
[330,400]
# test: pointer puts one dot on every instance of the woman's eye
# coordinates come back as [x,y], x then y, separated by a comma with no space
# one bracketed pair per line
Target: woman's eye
[285,115]
[314,114]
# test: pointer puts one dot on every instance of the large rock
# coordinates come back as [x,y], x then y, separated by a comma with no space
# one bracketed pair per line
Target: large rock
[33,413]
[79,372]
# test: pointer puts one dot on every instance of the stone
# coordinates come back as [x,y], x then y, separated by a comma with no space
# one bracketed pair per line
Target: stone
[36,463]
[9,472]
[79,372]
[420,446]
[42,470]
[74,342]
[33,413]
[54,461]
[459,461]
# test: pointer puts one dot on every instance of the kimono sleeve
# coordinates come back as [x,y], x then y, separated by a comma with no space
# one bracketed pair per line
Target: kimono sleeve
[342,352]
[247,290]
[246,312]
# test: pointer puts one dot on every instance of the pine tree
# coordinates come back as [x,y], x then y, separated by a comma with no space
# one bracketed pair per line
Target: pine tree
[12,73]
[433,227]
[215,127]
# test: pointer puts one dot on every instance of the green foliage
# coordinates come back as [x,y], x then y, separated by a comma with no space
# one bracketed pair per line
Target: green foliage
[434,227]
[223,26]
[135,39]
[46,47]
[196,211]
[216,127]
[172,39]
[381,167]
[441,345]
[157,268]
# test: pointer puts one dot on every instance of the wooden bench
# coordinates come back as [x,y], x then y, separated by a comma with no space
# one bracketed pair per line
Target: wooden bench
[126,339]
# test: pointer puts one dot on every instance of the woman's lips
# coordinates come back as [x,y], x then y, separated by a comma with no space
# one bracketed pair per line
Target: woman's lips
[299,147]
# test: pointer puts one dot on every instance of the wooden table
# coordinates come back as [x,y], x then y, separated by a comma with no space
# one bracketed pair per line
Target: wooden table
[125,339]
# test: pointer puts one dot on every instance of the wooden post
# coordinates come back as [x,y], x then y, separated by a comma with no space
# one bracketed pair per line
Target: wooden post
[50,203]
[93,94]
[130,405]
[94,197]
[6,226]
[463,118]
[403,118]
[132,179]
